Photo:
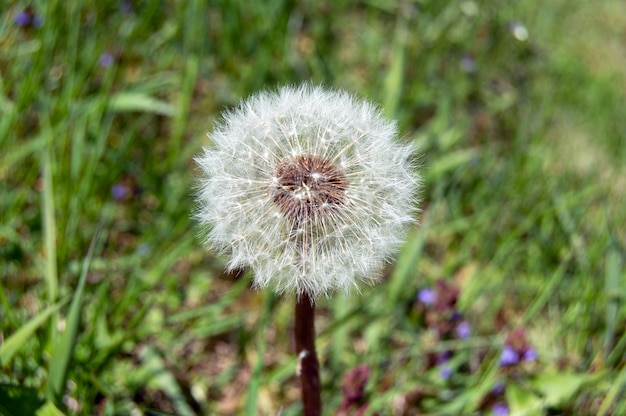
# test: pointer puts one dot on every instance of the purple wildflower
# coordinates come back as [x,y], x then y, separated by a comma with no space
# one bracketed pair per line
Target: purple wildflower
[353,386]
[37,21]
[106,60]
[143,249]
[456,316]
[500,409]
[127,7]
[119,192]
[509,356]
[445,371]
[498,388]
[530,354]
[443,357]
[468,64]
[427,296]
[27,18]
[22,19]
[463,330]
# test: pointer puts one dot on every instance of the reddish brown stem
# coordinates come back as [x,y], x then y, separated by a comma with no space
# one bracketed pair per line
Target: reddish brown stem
[307,356]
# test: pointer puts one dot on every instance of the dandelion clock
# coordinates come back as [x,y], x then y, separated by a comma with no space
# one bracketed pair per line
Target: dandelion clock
[308,188]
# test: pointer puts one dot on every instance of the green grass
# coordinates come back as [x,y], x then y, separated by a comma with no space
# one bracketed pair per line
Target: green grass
[112,306]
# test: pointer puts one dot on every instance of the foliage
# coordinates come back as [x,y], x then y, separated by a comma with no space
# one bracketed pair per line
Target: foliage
[516,109]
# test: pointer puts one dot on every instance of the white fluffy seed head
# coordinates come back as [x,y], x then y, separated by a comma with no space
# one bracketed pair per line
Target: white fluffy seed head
[308,188]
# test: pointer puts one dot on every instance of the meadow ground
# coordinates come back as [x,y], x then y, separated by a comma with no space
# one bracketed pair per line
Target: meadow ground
[507,299]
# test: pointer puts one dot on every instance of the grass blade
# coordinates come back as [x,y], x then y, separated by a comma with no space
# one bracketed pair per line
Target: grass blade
[406,266]
[612,396]
[49,409]
[62,351]
[18,400]
[13,343]
[261,345]
[613,293]
[49,229]
[395,77]
[136,101]
[163,379]
[182,115]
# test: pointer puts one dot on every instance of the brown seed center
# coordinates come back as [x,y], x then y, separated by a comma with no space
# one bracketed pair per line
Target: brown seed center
[308,187]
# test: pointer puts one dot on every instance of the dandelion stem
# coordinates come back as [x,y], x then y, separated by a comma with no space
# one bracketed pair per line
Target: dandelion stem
[308,365]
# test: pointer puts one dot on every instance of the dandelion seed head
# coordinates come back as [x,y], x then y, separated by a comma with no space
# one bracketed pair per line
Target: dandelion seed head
[307,187]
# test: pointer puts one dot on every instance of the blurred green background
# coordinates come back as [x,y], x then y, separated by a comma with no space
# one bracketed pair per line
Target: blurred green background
[508,299]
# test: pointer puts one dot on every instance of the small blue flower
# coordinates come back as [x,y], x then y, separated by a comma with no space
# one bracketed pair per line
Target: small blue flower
[427,296]
[106,60]
[530,354]
[468,64]
[500,409]
[463,330]
[445,371]
[127,7]
[498,388]
[119,192]
[143,249]
[37,21]
[27,18]
[509,356]
[443,357]
[22,19]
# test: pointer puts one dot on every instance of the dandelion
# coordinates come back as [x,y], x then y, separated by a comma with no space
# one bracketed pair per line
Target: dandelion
[309,189]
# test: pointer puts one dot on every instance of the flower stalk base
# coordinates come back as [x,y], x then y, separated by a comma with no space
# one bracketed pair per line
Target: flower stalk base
[308,365]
